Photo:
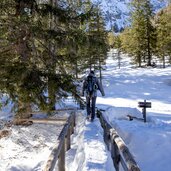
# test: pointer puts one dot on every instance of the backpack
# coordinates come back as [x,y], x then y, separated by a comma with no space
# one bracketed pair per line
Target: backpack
[91,85]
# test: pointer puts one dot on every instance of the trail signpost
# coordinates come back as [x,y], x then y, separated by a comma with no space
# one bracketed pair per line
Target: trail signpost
[144,105]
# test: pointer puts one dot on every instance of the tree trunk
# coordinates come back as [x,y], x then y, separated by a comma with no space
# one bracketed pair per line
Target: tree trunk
[164,62]
[139,59]
[100,70]
[51,64]
[148,46]
[119,59]
[24,109]
[76,70]
[51,95]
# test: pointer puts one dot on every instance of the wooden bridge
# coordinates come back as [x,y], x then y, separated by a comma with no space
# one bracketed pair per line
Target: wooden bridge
[120,153]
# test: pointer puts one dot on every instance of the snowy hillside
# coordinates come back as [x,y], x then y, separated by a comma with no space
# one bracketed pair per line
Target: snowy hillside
[116,12]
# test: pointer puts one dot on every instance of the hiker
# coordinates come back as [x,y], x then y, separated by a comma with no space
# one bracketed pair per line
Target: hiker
[90,86]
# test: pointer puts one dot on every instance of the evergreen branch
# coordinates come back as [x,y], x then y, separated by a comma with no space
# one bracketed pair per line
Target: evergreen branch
[6,49]
[85,16]
[62,14]
[54,56]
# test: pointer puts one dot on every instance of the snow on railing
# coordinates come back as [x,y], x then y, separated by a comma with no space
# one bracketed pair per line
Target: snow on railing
[119,151]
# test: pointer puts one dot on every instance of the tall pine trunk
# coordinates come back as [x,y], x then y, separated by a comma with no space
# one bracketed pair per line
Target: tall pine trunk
[24,106]
[51,65]
[24,109]
[148,48]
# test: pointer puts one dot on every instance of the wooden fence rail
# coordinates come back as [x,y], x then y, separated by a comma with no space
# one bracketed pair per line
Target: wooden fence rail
[119,151]
[56,160]
[59,121]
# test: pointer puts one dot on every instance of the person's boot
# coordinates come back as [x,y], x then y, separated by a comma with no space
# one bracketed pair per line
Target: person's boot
[88,117]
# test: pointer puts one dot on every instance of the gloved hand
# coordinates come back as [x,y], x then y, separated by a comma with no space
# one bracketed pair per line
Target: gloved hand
[103,94]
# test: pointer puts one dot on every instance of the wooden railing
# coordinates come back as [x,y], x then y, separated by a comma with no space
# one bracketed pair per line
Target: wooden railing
[56,160]
[119,151]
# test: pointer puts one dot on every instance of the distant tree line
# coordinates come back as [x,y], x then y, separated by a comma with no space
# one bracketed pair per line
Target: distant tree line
[148,36]
[44,46]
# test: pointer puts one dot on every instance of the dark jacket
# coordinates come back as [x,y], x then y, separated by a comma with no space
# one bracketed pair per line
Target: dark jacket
[100,88]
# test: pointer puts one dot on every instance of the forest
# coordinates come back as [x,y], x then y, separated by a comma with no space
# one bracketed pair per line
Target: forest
[148,39]
[46,45]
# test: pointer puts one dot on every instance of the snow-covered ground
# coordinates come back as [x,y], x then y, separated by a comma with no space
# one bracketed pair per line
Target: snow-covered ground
[150,142]
[27,147]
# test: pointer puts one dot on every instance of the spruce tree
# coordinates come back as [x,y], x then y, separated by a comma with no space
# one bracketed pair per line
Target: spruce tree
[40,43]
[163,27]
[142,31]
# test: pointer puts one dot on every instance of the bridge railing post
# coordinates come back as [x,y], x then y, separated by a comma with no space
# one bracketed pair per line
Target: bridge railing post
[61,159]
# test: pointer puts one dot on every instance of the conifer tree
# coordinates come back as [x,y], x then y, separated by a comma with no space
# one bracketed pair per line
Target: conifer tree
[34,51]
[93,51]
[163,26]
[97,40]
[16,52]
[111,39]
[142,31]
[150,34]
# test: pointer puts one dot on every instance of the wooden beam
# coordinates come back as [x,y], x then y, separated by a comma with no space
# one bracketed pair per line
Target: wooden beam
[52,111]
[43,121]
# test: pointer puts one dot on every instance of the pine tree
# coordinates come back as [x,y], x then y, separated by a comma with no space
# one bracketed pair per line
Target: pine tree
[97,39]
[142,31]
[111,39]
[40,43]
[150,31]
[93,52]
[163,26]
[15,54]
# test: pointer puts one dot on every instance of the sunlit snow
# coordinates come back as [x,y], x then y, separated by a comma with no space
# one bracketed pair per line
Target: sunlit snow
[150,143]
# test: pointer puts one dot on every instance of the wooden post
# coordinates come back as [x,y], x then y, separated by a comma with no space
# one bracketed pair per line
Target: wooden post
[67,139]
[115,151]
[107,136]
[144,111]
[115,155]
[63,144]
[74,122]
[144,114]
[144,105]
[61,159]
[73,125]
